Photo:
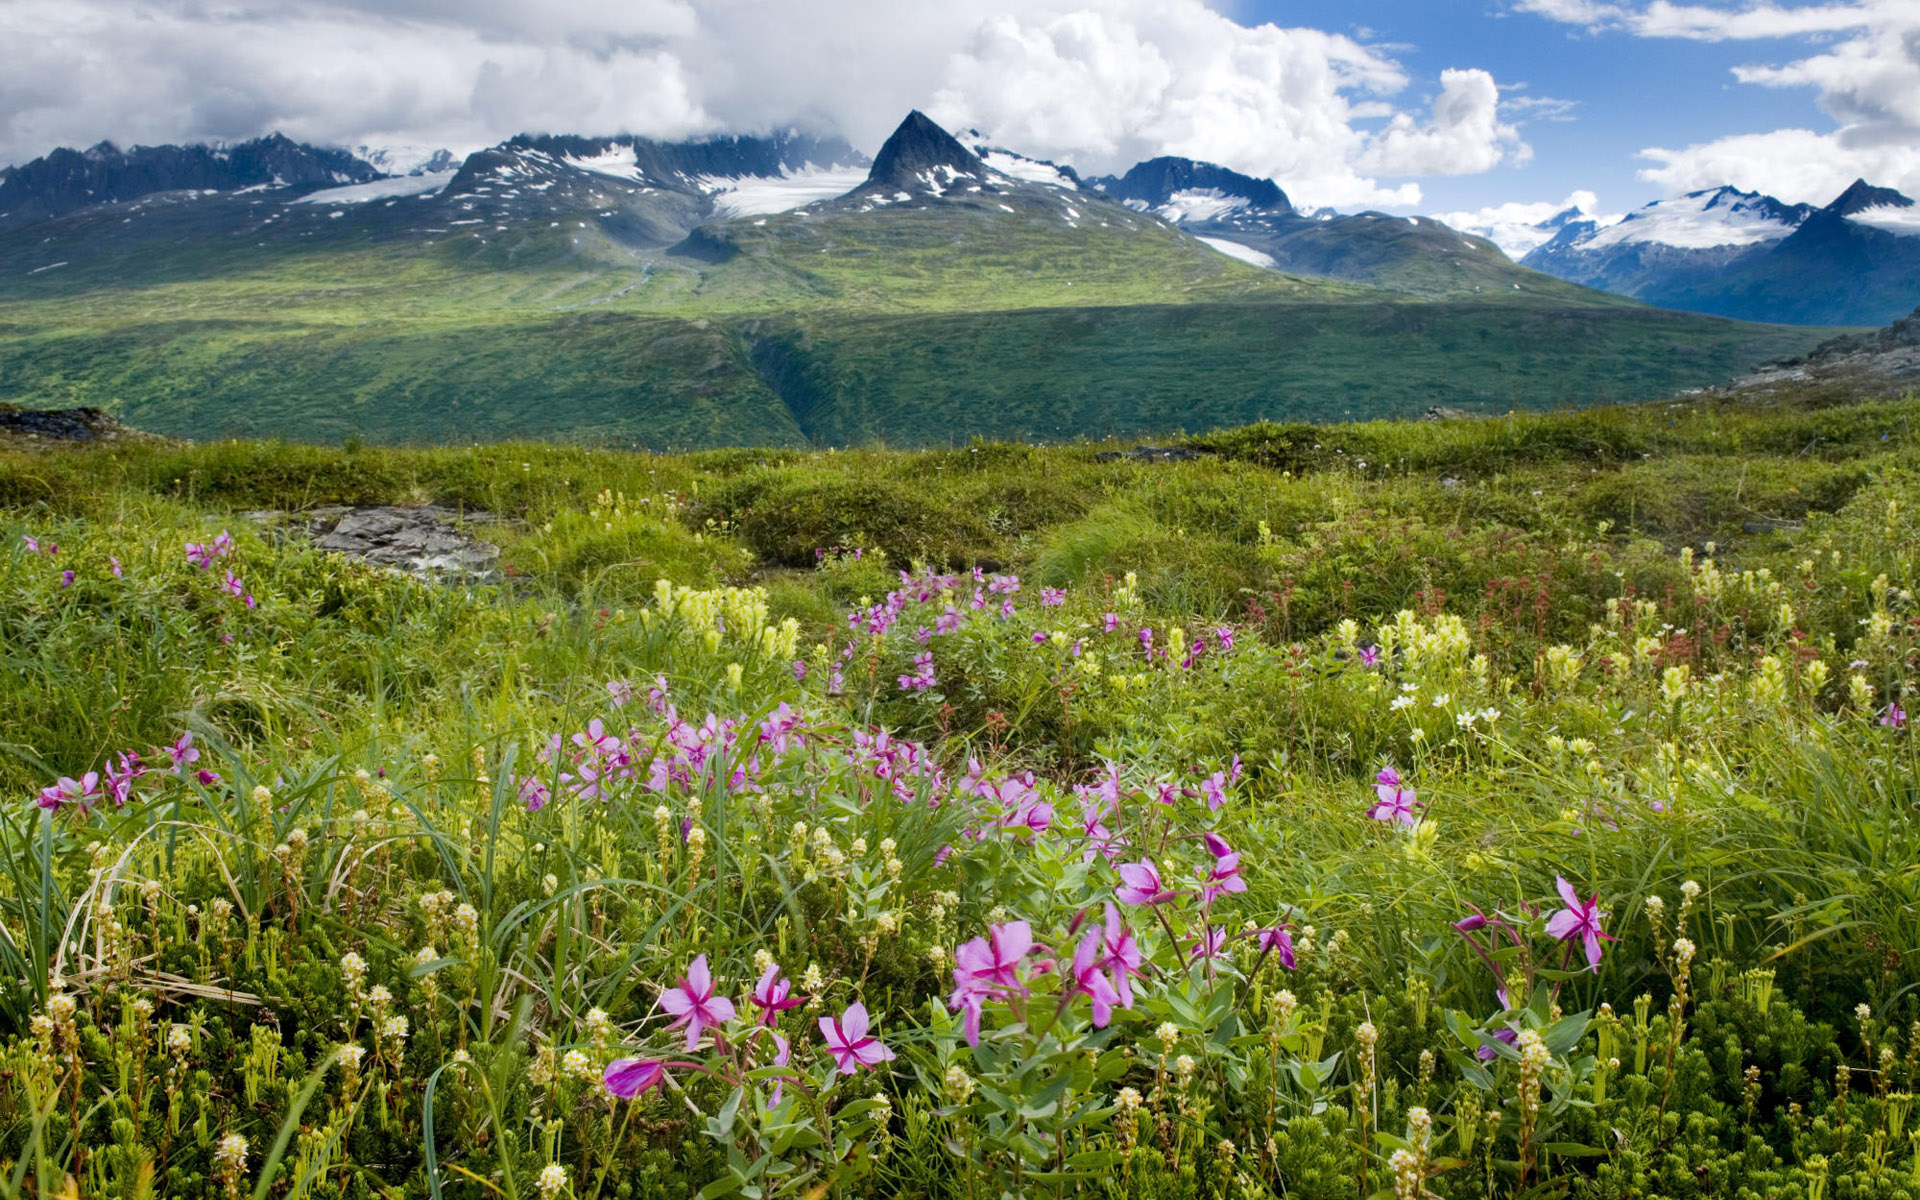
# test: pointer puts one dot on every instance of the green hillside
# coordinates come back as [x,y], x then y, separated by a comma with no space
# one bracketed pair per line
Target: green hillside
[1040,316]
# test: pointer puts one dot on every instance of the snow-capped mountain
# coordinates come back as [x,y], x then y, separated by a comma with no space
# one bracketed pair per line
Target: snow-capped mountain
[633,192]
[1742,254]
[69,180]
[1253,220]
[1519,228]
[921,166]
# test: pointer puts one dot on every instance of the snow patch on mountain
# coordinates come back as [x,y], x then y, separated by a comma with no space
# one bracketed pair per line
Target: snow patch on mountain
[760,195]
[1200,204]
[615,162]
[1027,170]
[411,160]
[1890,218]
[382,189]
[1246,254]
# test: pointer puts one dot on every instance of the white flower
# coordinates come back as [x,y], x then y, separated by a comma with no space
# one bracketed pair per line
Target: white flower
[230,1158]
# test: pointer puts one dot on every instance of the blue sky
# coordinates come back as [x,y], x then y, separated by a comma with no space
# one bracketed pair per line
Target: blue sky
[1624,93]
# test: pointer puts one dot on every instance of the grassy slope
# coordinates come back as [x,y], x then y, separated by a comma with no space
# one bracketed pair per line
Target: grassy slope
[1790,808]
[903,325]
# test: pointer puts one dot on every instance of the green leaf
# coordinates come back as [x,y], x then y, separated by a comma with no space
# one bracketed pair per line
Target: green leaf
[729,1111]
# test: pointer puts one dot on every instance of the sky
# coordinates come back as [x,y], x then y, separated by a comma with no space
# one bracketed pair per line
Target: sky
[1482,110]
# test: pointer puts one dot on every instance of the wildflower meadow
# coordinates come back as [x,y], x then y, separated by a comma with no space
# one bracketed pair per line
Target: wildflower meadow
[1494,810]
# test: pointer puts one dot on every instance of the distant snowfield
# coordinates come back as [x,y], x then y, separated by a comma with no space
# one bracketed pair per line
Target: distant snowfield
[1027,170]
[617,162]
[1246,254]
[381,189]
[761,195]
[1200,204]
[1892,218]
[1675,223]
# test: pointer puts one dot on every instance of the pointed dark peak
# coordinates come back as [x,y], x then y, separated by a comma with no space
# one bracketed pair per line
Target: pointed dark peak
[1863,195]
[920,155]
[1156,181]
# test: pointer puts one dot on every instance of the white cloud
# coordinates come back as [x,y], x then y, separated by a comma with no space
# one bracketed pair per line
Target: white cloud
[1514,226]
[1865,72]
[1798,166]
[1704,23]
[1100,83]
[1465,136]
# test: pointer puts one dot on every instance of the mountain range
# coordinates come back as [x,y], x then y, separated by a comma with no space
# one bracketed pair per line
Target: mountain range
[773,290]
[1740,254]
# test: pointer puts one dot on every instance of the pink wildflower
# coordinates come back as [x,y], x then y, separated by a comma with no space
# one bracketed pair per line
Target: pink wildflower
[693,1003]
[1579,920]
[849,1042]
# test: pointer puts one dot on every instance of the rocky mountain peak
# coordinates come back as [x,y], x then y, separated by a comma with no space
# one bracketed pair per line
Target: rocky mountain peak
[920,151]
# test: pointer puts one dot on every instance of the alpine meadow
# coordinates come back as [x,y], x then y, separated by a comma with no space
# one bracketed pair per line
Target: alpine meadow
[1097,646]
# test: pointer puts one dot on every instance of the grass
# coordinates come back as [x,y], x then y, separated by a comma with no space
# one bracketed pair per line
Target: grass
[394,940]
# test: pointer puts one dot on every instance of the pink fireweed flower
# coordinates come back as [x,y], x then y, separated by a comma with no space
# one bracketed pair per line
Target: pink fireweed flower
[66,579]
[115,564]
[182,753]
[620,692]
[626,1078]
[1579,920]
[1039,637]
[1215,791]
[1120,954]
[1101,841]
[222,544]
[780,730]
[32,543]
[773,995]
[1052,597]
[1278,942]
[1393,802]
[596,739]
[1225,634]
[850,1043]
[994,961]
[231,585]
[1894,718]
[922,677]
[121,777]
[1369,656]
[207,778]
[1089,977]
[799,671]
[1224,878]
[1210,945]
[986,967]
[693,1003]
[1146,638]
[1140,884]
[1111,622]
[68,792]
[534,794]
